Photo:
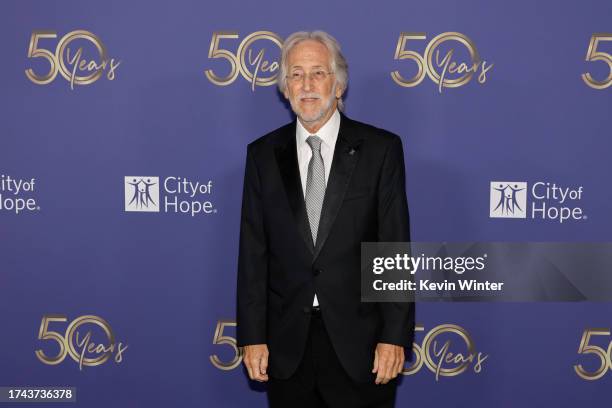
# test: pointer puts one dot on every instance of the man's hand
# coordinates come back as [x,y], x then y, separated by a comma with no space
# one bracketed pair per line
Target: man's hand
[256,361]
[388,362]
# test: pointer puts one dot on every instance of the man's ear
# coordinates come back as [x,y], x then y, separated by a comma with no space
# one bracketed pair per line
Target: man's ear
[286,93]
[339,92]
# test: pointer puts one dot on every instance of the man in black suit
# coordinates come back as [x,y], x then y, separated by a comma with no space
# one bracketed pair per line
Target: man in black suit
[313,191]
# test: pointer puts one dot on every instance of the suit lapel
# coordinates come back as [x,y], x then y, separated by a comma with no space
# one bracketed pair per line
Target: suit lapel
[286,156]
[346,153]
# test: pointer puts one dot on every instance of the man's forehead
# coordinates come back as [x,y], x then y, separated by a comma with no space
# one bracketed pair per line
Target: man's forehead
[313,66]
[310,53]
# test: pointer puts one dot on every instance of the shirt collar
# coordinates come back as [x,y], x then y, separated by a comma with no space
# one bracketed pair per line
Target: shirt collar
[328,133]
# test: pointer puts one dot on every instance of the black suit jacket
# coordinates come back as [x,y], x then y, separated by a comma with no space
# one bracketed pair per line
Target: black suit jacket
[279,268]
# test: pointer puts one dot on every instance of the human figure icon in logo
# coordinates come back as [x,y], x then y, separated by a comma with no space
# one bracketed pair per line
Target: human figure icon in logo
[503,199]
[147,192]
[513,201]
[136,196]
[142,192]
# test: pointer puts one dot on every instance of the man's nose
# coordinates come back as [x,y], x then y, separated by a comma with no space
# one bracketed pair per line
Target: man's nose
[306,84]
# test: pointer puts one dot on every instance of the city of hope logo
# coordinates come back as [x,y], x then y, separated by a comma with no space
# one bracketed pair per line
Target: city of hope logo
[541,200]
[17,195]
[171,194]
[508,199]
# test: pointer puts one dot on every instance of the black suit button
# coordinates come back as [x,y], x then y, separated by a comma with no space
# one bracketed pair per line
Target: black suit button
[316,272]
[306,309]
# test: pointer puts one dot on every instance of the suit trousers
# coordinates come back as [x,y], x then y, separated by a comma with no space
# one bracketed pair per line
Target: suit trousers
[321,381]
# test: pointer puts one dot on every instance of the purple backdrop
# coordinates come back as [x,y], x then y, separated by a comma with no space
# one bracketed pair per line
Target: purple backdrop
[163,280]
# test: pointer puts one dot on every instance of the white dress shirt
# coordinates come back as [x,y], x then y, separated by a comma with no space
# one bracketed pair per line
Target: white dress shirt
[329,134]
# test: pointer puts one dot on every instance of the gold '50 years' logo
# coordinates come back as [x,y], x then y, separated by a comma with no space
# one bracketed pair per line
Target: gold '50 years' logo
[443,70]
[80,346]
[440,357]
[71,63]
[251,62]
[436,351]
[594,55]
[604,355]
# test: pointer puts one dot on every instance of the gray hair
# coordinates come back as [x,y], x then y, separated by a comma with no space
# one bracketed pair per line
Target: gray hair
[338,62]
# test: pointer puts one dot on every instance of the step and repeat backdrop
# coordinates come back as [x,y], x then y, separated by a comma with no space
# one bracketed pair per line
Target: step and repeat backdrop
[123,133]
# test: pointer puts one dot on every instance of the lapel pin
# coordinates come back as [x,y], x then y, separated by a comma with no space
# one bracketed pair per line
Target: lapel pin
[351,151]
